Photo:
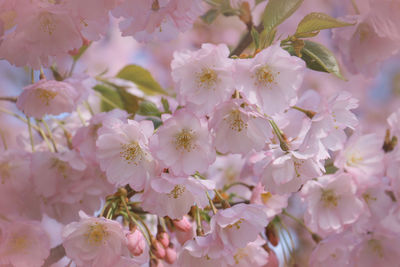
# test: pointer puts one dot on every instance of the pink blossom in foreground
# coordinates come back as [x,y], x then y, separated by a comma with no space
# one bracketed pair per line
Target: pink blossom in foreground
[203,77]
[251,255]
[135,242]
[270,79]
[239,127]
[122,151]
[47,97]
[183,144]
[23,244]
[173,196]
[332,203]
[283,173]
[94,241]
[239,225]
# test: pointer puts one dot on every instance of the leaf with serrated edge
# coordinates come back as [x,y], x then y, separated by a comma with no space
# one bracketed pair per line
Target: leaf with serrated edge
[316,21]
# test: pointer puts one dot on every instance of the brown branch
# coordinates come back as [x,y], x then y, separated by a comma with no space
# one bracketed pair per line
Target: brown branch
[56,254]
[246,41]
[7,98]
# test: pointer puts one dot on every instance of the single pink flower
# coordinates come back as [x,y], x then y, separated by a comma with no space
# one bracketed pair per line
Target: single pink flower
[239,224]
[332,203]
[239,127]
[203,77]
[122,152]
[47,97]
[23,244]
[173,196]
[94,241]
[135,242]
[183,144]
[270,79]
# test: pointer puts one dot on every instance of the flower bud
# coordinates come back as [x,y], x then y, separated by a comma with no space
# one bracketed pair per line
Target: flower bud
[135,242]
[163,238]
[170,255]
[184,224]
[158,249]
[272,235]
[156,263]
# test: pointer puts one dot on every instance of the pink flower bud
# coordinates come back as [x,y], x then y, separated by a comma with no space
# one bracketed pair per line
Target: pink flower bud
[158,249]
[184,224]
[135,242]
[170,255]
[163,238]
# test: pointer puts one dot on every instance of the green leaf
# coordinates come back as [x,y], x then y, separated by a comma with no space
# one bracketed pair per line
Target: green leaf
[142,78]
[157,122]
[165,104]
[314,22]
[147,108]
[256,37]
[320,58]
[117,97]
[277,11]
[210,16]
[130,102]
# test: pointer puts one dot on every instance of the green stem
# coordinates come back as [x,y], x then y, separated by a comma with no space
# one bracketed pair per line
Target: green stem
[227,187]
[30,134]
[50,135]
[354,4]
[309,113]
[284,146]
[315,236]
[199,230]
[214,209]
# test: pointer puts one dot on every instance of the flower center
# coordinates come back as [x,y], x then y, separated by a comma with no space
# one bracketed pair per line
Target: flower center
[47,24]
[96,233]
[376,247]
[132,153]
[4,171]
[235,121]
[184,140]
[177,191]
[329,198]
[60,165]
[45,95]
[207,78]
[240,254]
[236,224]
[265,76]
[265,197]
[19,244]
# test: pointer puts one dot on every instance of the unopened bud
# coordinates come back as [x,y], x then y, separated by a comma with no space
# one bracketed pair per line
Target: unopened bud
[170,255]
[184,224]
[158,249]
[156,263]
[163,238]
[135,242]
[272,235]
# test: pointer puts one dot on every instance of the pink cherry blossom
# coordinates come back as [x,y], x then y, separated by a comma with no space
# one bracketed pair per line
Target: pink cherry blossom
[94,241]
[377,249]
[239,225]
[173,196]
[332,203]
[135,242]
[251,255]
[362,156]
[157,20]
[273,204]
[203,77]
[270,79]
[283,173]
[183,144]
[239,128]
[122,151]
[44,31]
[23,244]
[47,97]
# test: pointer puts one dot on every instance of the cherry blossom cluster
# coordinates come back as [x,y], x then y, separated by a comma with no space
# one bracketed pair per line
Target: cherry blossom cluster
[38,33]
[222,171]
